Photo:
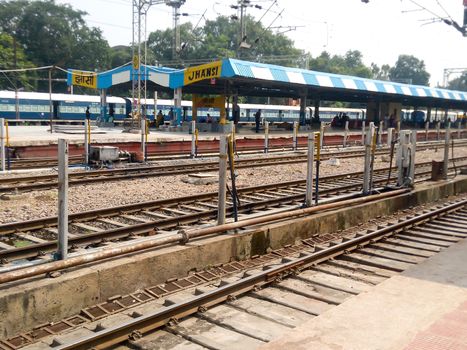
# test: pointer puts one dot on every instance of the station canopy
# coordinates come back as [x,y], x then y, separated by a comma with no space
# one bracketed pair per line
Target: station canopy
[230,76]
[160,76]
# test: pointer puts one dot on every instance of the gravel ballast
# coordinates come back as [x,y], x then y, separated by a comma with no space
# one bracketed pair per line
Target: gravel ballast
[39,204]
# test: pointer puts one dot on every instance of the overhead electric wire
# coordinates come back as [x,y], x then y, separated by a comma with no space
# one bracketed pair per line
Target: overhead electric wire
[108,24]
[265,13]
[25,69]
[446,12]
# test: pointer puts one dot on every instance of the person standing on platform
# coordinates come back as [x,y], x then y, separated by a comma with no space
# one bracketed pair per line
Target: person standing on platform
[111,115]
[236,113]
[159,119]
[257,120]
[172,116]
[88,113]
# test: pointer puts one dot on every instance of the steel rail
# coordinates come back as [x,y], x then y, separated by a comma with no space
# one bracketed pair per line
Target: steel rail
[143,324]
[148,228]
[145,171]
[181,237]
[106,175]
[40,182]
[47,221]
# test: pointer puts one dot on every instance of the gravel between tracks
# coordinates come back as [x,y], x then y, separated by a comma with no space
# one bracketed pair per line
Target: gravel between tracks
[38,204]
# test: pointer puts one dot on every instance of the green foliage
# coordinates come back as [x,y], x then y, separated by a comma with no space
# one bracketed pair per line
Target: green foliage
[7,61]
[47,33]
[120,55]
[459,83]
[349,64]
[409,69]
[380,73]
[54,34]
[51,34]
[219,39]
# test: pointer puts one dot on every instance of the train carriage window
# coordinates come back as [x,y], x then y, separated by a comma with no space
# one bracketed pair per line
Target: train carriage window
[27,108]
[11,107]
[35,108]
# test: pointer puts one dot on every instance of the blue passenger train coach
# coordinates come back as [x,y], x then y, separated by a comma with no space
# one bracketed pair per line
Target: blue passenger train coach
[35,106]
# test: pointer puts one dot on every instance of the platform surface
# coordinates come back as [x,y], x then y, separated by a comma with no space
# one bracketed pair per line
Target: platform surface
[424,308]
[40,135]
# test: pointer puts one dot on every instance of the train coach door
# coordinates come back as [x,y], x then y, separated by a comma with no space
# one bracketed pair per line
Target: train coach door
[55,111]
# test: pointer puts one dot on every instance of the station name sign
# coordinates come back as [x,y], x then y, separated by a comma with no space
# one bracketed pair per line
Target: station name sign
[209,102]
[205,71]
[86,79]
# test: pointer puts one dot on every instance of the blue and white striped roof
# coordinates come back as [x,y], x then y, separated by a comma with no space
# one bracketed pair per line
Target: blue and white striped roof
[234,67]
[231,68]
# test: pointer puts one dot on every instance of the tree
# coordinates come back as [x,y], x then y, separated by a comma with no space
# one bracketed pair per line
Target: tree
[120,55]
[349,64]
[380,73]
[52,34]
[409,69]
[219,39]
[459,83]
[7,61]
[160,45]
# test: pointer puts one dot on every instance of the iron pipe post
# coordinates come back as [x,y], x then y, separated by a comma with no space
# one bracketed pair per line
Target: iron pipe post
[2,144]
[413,148]
[447,137]
[390,136]
[222,179]
[62,199]
[309,170]
[363,133]
[86,141]
[294,137]
[346,132]
[193,139]
[427,127]
[266,136]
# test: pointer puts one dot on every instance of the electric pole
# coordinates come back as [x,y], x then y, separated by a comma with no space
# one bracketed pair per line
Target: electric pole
[175,4]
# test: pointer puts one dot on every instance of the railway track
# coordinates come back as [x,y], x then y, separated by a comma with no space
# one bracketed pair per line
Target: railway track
[48,162]
[35,240]
[244,304]
[19,184]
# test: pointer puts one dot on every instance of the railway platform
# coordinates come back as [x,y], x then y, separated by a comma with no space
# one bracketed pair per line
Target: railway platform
[425,307]
[37,142]
[40,135]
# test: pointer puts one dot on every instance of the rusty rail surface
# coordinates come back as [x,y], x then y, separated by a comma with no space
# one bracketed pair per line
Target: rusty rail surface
[135,328]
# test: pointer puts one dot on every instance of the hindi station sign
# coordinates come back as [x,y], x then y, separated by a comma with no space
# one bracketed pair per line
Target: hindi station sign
[86,79]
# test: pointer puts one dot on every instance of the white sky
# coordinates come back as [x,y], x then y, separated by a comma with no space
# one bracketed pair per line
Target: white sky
[381,29]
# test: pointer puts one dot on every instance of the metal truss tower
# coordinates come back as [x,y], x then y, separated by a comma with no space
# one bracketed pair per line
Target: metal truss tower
[138,87]
[140,10]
